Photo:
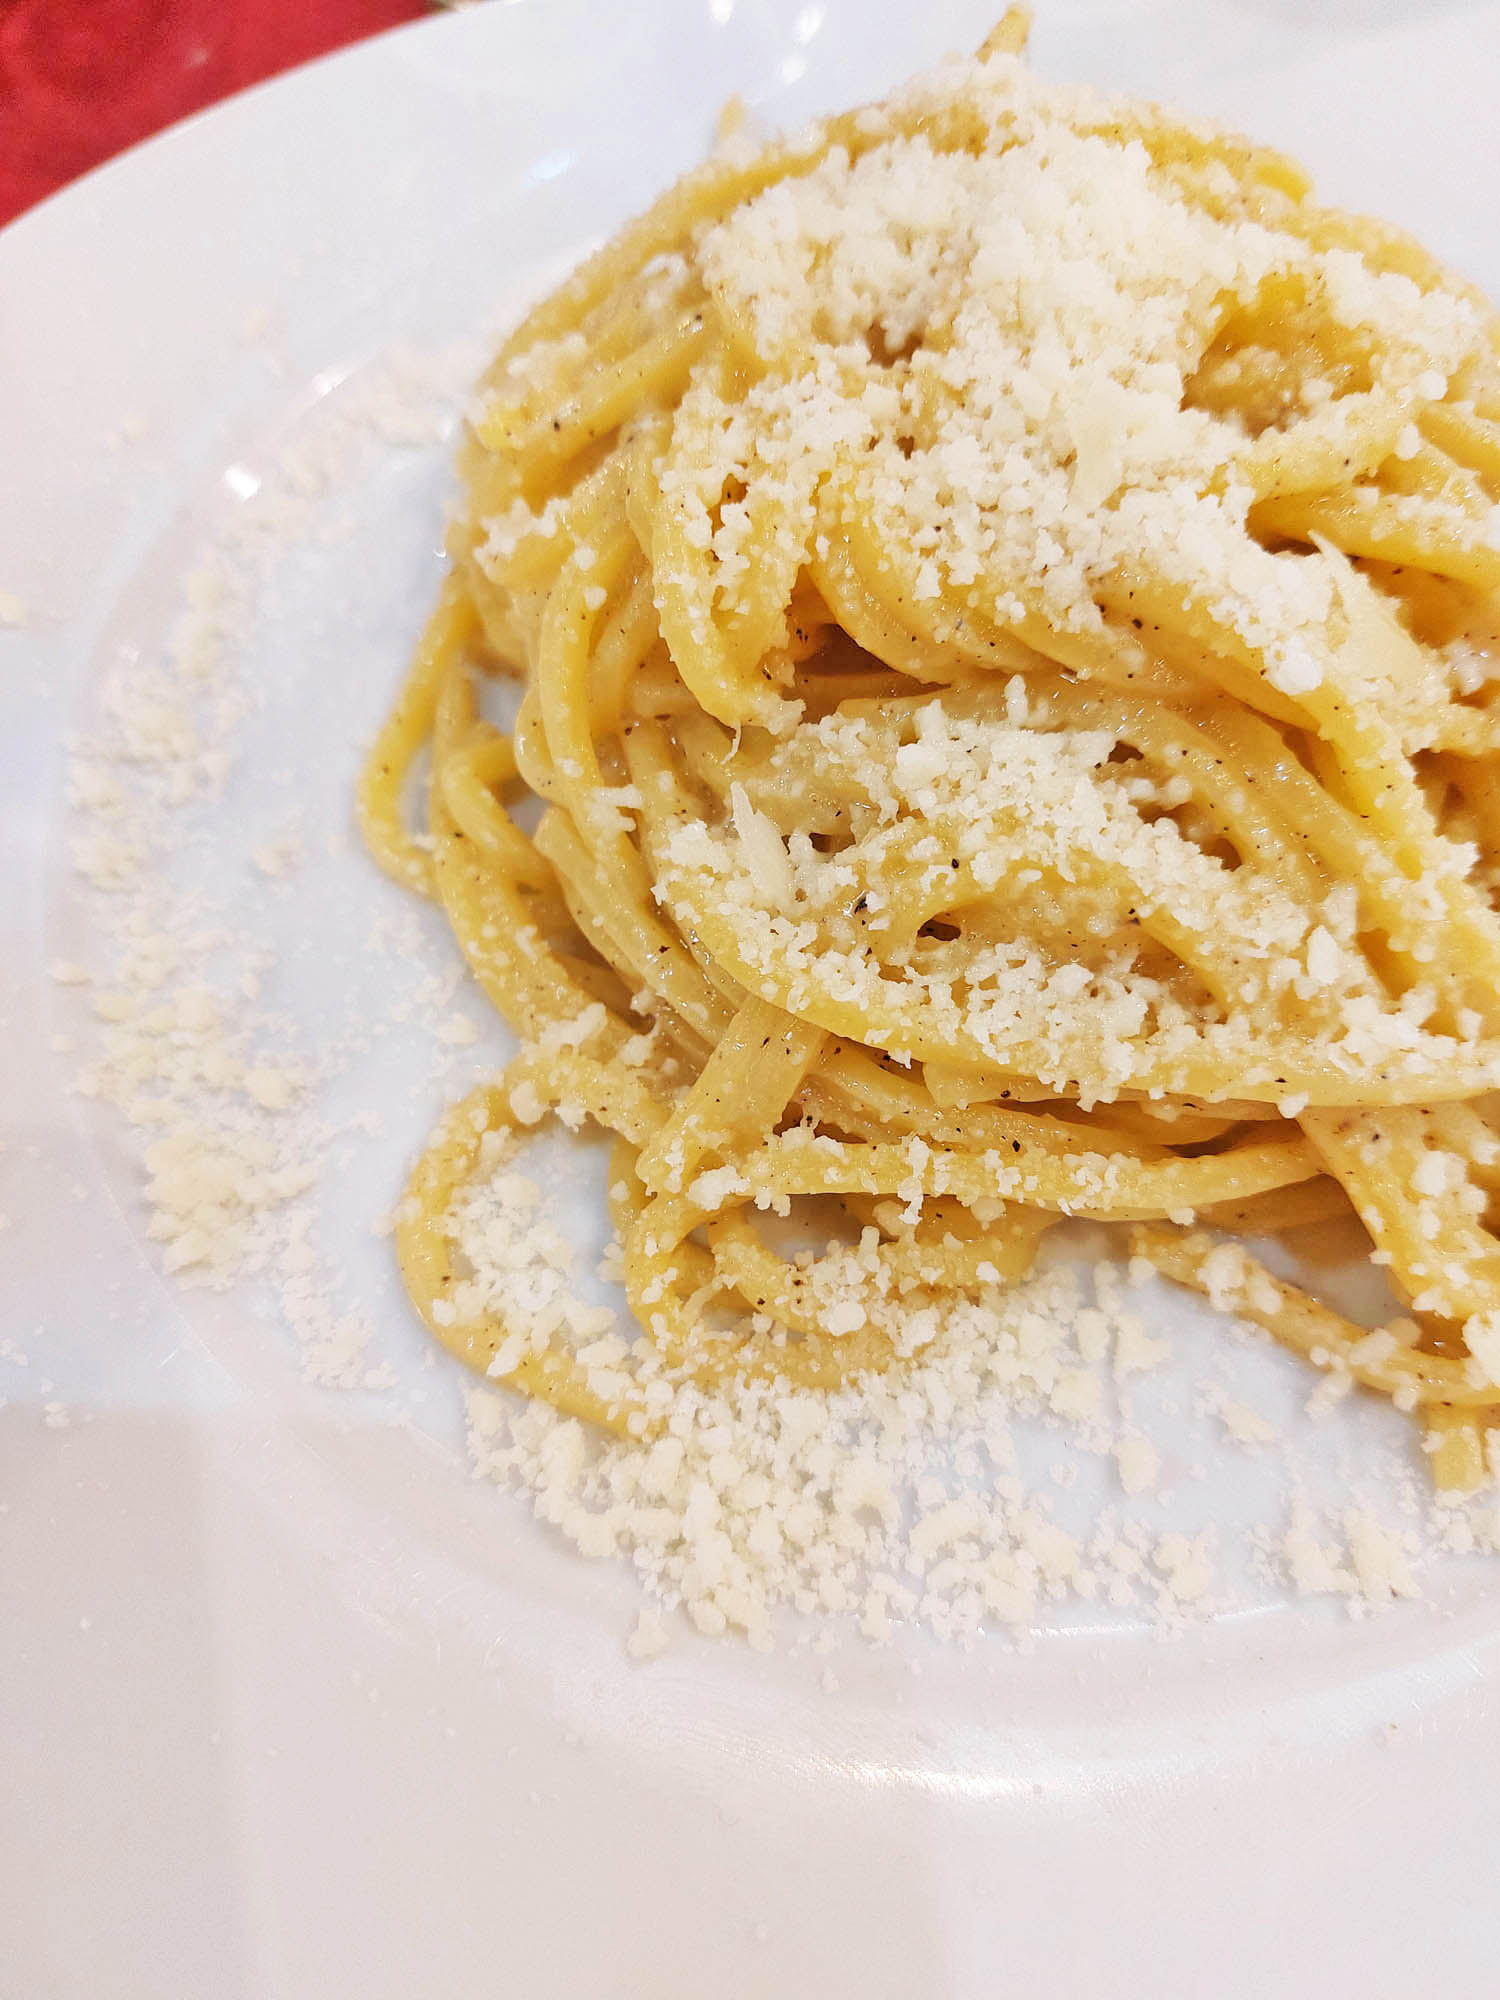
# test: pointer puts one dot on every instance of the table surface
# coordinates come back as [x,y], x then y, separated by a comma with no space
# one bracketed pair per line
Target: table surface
[80,80]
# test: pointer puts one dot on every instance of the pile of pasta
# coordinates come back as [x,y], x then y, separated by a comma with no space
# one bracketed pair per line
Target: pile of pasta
[1004,592]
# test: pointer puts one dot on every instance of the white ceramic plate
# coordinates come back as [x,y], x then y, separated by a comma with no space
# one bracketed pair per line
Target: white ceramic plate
[289,1705]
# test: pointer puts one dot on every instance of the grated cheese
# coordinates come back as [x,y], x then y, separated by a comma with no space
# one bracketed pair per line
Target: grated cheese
[905,1500]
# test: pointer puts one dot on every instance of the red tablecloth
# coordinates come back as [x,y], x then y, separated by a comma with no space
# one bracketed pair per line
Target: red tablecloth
[80,79]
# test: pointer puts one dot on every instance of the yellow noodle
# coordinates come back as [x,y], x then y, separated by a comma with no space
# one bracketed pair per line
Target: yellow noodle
[887,893]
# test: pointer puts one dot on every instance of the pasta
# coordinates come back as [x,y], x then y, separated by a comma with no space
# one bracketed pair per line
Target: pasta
[1003,593]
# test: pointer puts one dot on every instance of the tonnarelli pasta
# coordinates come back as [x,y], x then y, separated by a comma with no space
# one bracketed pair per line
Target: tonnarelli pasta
[1005,592]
